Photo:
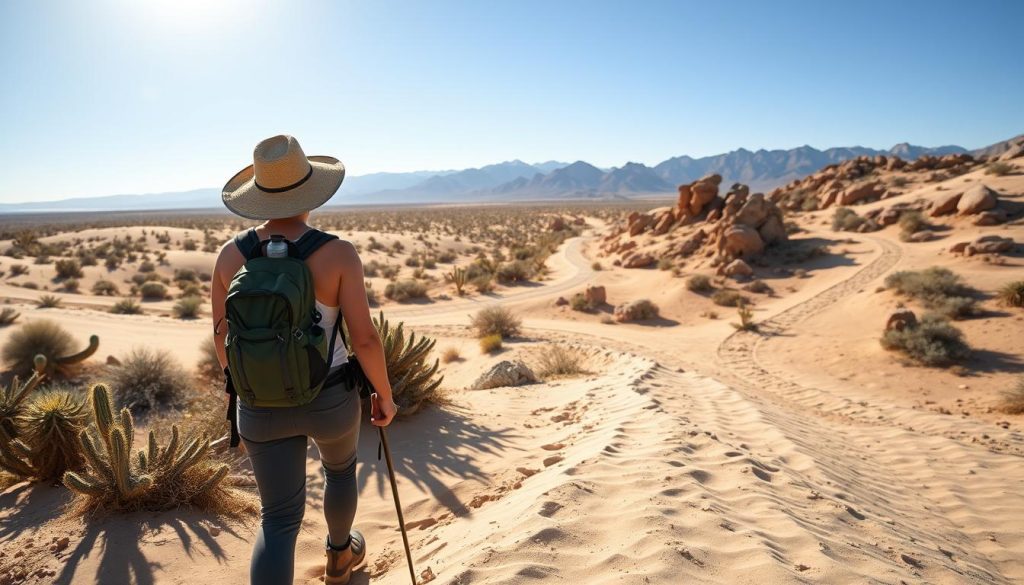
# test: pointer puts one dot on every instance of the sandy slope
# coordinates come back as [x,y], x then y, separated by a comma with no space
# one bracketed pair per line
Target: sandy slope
[689,456]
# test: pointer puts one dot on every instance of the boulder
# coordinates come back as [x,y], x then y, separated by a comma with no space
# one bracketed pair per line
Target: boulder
[976,199]
[773,230]
[683,202]
[859,192]
[742,240]
[640,260]
[595,295]
[959,247]
[639,224]
[703,191]
[900,319]
[505,373]
[992,244]
[738,268]
[990,217]
[663,224]
[944,204]
[921,236]
[754,211]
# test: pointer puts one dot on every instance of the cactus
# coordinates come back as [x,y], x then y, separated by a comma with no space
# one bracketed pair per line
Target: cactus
[155,478]
[458,277]
[412,379]
[13,396]
[48,338]
[50,426]
[8,316]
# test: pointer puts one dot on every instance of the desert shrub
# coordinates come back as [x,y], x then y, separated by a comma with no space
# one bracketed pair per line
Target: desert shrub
[112,262]
[412,262]
[1012,294]
[516,271]
[208,365]
[758,286]
[447,257]
[48,302]
[41,259]
[30,285]
[189,245]
[104,288]
[371,294]
[934,341]
[579,302]
[147,266]
[68,268]
[998,168]
[490,343]
[727,298]
[181,473]
[558,360]
[191,290]
[71,285]
[47,338]
[596,266]
[188,307]
[18,269]
[153,291]
[126,307]
[746,318]
[450,354]
[699,283]
[938,288]
[186,275]
[149,379]
[664,263]
[405,290]
[414,380]
[496,320]
[911,222]
[899,182]
[483,283]
[8,316]
[640,310]
[1013,399]
[845,219]
[88,260]
[49,429]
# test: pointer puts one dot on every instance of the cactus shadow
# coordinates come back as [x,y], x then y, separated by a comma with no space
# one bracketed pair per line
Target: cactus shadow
[30,504]
[452,445]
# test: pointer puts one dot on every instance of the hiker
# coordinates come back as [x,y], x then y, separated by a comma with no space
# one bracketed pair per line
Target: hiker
[280,342]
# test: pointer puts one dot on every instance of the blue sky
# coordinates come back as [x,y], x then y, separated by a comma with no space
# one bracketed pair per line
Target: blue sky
[137,96]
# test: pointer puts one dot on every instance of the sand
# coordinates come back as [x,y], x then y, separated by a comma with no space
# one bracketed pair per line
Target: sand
[689,452]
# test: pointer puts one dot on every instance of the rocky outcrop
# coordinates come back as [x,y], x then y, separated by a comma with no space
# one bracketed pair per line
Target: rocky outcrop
[976,199]
[741,241]
[595,295]
[738,269]
[505,373]
[638,310]
[945,204]
[991,244]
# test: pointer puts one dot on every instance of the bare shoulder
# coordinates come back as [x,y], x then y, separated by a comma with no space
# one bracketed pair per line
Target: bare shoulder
[343,250]
[229,260]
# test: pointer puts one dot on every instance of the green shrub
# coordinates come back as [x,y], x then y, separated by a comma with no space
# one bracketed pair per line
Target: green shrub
[490,343]
[727,298]
[68,268]
[414,380]
[699,283]
[104,288]
[71,285]
[516,271]
[148,379]
[932,342]
[496,320]
[126,307]
[147,266]
[188,307]
[937,288]
[998,168]
[153,291]
[49,428]
[845,219]
[405,290]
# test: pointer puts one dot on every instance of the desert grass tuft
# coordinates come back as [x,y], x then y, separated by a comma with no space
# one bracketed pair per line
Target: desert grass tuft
[1011,294]
[490,343]
[150,379]
[1013,399]
[496,320]
[560,361]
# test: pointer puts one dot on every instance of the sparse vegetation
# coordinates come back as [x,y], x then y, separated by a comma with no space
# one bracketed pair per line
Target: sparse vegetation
[49,429]
[727,298]
[490,343]
[557,360]
[450,354]
[405,290]
[458,277]
[998,168]
[208,365]
[699,283]
[933,342]
[47,338]
[911,222]
[496,320]
[1013,399]
[153,291]
[68,268]
[48,302]
[746,318]
[8,316]
[149,379]
[937,288]
[126,307]
[104,288]
[414,380]
[188,307]
[1011,294]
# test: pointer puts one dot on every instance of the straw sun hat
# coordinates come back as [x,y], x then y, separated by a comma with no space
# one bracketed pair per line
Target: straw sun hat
[282,181]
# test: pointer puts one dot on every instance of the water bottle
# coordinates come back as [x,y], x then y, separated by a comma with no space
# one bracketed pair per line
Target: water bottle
[278,247]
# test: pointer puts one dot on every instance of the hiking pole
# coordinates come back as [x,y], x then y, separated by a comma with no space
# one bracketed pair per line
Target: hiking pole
[398,504]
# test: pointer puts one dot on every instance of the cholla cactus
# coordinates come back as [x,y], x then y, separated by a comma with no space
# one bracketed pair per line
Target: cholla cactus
[412,379]
[50,427]
[458,277]
[156,478]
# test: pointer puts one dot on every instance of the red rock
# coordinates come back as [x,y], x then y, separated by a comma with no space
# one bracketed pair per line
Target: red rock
[976,199]
[944,204]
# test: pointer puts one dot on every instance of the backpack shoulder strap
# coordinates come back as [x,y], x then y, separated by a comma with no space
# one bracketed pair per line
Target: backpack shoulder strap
[310,242]
[248,243]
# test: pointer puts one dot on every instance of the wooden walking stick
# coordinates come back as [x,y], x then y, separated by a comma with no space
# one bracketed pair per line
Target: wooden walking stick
[398,504]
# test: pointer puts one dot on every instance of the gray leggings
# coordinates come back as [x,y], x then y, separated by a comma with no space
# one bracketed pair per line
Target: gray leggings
[276,439]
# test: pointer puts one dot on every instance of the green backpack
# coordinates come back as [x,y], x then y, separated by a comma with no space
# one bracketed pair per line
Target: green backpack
[278,355]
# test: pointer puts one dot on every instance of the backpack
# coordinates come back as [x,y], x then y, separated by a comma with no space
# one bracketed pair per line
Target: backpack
[278,355]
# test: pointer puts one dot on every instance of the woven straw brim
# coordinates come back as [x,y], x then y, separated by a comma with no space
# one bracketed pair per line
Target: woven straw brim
[242,197]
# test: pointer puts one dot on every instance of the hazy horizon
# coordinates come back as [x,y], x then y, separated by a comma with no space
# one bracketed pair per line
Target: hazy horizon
[170,96]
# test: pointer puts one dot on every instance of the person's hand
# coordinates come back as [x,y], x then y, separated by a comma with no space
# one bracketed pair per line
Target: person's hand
[382,412]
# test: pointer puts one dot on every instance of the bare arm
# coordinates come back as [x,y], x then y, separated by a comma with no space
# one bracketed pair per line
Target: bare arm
[218,292]
[364,338]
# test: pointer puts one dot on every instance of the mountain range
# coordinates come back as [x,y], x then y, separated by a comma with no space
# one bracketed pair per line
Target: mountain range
[517,181]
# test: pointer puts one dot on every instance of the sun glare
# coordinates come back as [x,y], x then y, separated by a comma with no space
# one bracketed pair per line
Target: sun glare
[177,16]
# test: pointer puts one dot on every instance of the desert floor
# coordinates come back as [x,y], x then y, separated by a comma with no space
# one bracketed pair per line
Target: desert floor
[690,453]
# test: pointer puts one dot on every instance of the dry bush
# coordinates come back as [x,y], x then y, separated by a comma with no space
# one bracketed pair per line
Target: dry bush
[47,338]
[208,365]
[104,288]
[845,219]
[18,270]
[490,343]
[156,478]
[412,377]
[727,298]
[1013,399]
[1012,294]
[153,290]
[68,268]
[150,379]
[496,320]
[405,290]
[188,307]
[746,318]
[450,355]
[48,302]
[933,342]
[911,222]
[938,288]
[557,360]
[71,285]
[699,283]
[126,307]
[998,168]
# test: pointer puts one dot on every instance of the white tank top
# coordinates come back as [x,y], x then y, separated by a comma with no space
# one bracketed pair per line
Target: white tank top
[328,316]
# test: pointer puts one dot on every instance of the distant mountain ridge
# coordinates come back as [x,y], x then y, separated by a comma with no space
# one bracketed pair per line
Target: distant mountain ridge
[516,180]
